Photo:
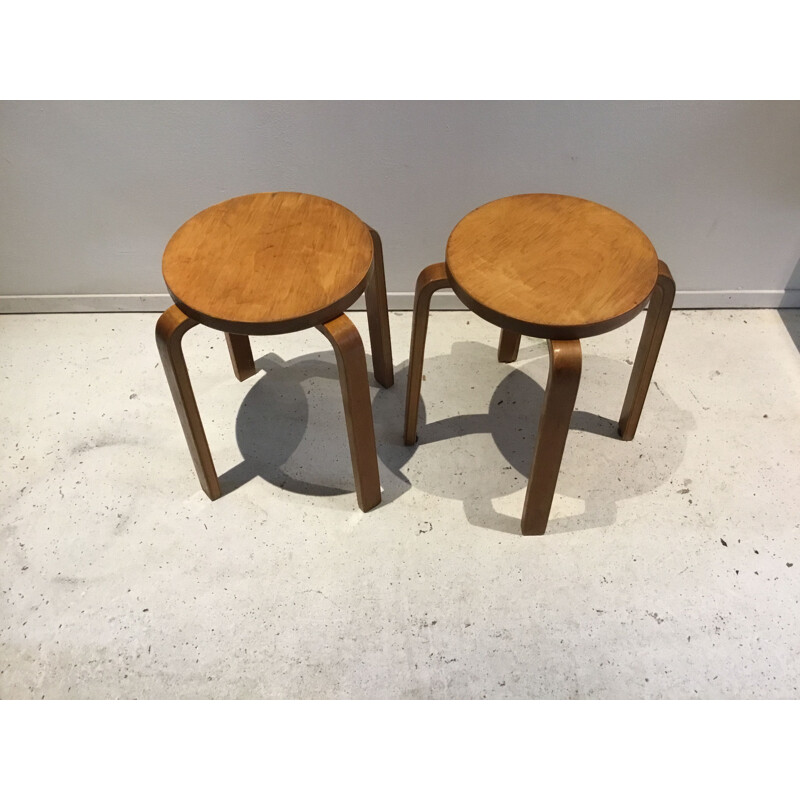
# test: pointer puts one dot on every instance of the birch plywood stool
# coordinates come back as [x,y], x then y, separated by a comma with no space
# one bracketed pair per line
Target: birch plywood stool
[265,264]
[558,268]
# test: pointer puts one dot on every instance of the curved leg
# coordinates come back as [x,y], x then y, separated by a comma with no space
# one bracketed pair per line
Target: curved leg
[652,335]
[241,356]
[508,349]
[170,328]
[378,317]
[559,401]
[430,280]
[343,335]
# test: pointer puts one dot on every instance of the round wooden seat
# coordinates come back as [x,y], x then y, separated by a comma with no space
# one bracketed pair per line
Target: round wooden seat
[551,266]
[268,263]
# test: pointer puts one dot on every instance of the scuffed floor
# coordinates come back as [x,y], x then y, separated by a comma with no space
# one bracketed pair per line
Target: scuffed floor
[670,568]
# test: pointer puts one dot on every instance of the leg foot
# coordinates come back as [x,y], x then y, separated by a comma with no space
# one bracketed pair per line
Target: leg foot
[652,335]
[559,401]
[378,317]
[508,349]
[347,345]
[241,356]
[170,328]
[430,280]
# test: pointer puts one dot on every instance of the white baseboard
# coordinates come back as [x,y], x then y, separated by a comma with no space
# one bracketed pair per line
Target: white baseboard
[398,301]
[77,303]
[739,298]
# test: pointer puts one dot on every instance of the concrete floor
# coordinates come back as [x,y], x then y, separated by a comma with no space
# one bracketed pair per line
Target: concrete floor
[670,568]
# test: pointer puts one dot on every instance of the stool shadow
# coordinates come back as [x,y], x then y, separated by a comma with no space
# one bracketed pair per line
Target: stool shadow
[595,471]
[278,444]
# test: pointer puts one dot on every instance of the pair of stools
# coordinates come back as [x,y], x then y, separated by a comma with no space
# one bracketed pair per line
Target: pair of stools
[550,266]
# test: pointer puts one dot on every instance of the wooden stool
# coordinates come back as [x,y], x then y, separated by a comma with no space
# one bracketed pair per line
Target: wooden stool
[275,263]
[558,268]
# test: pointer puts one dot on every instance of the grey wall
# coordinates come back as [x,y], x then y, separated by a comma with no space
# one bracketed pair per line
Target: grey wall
[92,191]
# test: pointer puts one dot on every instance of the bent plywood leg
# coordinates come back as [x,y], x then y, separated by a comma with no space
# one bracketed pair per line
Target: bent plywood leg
[241,356]
[652,335]
[559,401]
[170,328]
[508,349]
[430,280]
[378,317]
[347,345]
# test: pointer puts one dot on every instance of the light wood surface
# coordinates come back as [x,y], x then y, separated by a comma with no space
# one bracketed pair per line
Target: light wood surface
[551,266]
[559,402]
[268,263]
[170,329]
[350,358]
[430,280]
[655,325]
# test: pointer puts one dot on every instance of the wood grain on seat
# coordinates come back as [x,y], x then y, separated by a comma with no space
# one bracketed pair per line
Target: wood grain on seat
[268,263]
[551,266]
